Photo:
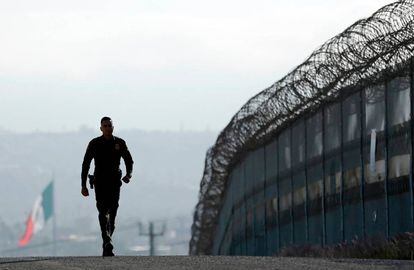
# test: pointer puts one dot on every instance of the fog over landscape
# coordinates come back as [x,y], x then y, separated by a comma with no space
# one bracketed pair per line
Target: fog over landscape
[167,170]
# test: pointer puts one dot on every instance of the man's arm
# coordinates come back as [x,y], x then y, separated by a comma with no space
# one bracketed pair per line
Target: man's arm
[86,164]
[126,155]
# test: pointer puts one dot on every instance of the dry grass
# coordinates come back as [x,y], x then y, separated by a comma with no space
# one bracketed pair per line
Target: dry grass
[400,247]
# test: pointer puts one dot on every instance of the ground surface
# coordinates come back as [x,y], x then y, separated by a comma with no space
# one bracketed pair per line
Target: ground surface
[197,262]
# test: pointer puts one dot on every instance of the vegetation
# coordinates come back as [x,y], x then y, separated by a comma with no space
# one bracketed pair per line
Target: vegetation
[399,247]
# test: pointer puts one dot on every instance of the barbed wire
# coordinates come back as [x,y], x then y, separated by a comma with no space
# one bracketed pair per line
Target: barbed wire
[357,56]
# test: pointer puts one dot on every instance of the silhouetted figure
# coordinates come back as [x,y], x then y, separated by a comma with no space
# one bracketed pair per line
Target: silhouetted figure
[107,151]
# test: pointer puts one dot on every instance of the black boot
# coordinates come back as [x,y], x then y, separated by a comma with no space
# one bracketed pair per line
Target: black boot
[107,249]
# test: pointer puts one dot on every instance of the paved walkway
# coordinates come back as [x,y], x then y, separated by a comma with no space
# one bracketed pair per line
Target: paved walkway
[198,263]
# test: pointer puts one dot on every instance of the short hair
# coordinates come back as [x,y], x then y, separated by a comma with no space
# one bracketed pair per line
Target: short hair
[105,118]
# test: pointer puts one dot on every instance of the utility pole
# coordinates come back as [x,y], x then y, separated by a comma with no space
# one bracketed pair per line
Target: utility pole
[151,234]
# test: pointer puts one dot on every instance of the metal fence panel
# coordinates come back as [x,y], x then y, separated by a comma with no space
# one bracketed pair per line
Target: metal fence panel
[250,204]
[352,170]
[399,154]
[314,148]
[243,211]
[285,190]
[375,197]
[299,183]
[259,202]
[272,235]
[333,173]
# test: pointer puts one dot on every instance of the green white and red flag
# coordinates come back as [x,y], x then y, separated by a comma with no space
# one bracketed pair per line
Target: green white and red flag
[41,212]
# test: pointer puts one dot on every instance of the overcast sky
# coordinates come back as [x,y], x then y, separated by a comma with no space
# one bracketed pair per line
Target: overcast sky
[153,65]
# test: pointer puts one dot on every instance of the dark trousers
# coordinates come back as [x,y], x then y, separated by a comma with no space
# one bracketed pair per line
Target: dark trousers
[107,197]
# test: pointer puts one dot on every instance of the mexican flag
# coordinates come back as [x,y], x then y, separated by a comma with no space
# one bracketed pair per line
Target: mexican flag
[41,212]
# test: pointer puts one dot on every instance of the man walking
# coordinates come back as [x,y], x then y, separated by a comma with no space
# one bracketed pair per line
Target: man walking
[106,151]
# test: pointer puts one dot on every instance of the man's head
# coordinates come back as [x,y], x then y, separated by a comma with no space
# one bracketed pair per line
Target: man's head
[106,126]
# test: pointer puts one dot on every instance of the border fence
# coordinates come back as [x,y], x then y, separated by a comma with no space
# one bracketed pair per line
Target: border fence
[321,156]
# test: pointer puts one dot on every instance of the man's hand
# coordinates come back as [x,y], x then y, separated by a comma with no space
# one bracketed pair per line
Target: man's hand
[126,179]
[85,191]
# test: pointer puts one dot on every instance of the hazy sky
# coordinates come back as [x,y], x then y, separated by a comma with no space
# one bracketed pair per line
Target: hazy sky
[153,65]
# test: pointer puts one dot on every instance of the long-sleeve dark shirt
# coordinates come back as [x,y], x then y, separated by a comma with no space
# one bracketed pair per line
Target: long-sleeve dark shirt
[107,154]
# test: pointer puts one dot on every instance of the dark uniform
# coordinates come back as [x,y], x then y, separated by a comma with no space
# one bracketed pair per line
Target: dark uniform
[107,154]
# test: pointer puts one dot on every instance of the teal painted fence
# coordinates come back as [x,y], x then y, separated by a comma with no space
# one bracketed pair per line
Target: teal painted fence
[339,173]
